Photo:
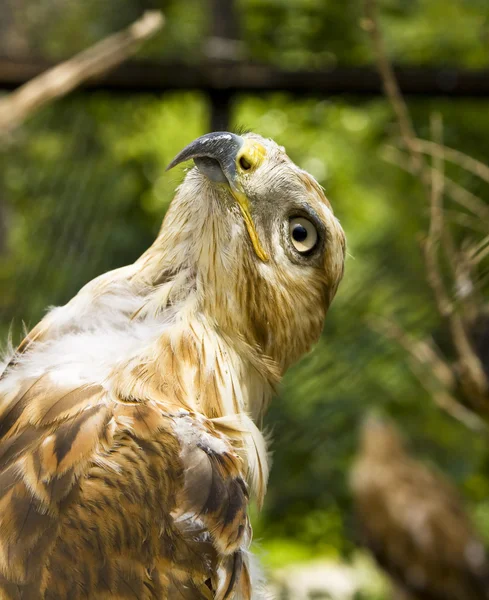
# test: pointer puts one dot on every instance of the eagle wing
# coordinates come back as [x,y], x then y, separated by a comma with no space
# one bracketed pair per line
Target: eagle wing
[414,523]
[105,496]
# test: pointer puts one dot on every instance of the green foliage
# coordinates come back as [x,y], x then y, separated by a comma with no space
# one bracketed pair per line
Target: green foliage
[316,34]
[54,31]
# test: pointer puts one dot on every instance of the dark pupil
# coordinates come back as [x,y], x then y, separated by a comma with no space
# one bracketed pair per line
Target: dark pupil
[299,233]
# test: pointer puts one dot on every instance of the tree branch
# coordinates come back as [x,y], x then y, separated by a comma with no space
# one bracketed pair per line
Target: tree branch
[472,375]
[432,372]
[435,232]
[481,250]
[475,379]
[390,84]
[454,190]
[63,78]
[474,166]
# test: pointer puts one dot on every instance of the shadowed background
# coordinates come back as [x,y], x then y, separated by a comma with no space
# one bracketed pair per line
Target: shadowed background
[83,190]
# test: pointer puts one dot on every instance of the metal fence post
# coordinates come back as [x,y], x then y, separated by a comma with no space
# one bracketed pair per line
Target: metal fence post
[222,48]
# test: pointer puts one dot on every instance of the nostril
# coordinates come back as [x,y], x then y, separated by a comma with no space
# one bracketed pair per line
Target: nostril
[244,163]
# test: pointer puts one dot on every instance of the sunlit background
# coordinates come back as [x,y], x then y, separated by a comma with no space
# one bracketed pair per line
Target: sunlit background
[83,190]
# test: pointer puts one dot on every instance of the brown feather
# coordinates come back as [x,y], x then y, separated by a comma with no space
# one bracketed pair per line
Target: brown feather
[414,522]
[129,440]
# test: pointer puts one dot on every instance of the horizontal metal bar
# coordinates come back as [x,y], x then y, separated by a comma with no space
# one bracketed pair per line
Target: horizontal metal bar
[236,77]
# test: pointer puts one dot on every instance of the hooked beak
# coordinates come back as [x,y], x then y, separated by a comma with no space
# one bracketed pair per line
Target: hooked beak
[216,155]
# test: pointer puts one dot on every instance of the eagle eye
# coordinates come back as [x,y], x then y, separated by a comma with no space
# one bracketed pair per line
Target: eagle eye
[303,235]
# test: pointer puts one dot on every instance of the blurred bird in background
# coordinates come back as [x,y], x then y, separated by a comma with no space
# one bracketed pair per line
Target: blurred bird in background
[414,522]
[129,418]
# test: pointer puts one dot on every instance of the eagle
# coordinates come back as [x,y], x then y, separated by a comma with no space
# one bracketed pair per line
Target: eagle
[130,418]
[414,522]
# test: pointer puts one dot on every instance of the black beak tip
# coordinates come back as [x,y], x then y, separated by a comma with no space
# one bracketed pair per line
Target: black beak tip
[171,165]
[218,145]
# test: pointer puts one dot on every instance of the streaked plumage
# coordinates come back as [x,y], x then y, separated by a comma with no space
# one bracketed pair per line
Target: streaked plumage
[414,522]
[129,418]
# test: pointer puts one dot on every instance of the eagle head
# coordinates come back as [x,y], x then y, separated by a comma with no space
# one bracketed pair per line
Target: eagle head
[259,241]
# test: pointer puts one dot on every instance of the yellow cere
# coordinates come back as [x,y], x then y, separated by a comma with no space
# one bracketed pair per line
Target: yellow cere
[253,152]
